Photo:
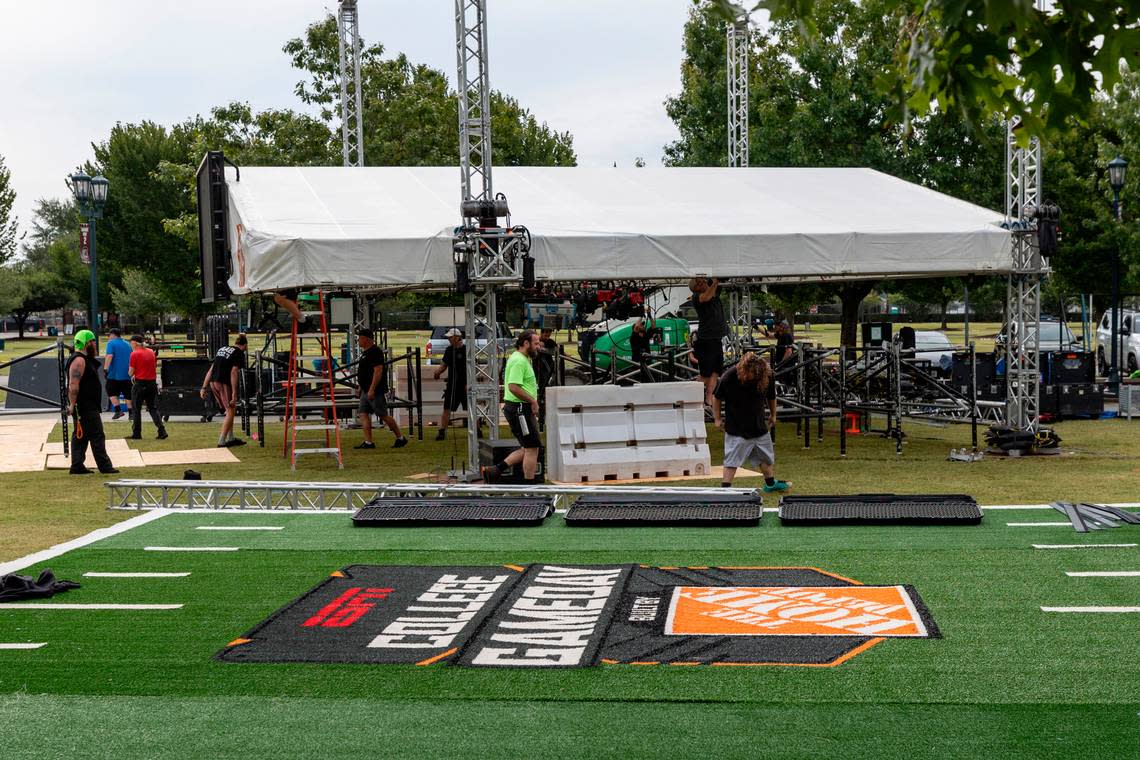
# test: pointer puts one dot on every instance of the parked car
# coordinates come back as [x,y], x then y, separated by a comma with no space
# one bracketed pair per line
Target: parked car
[437,343]
[1055,336]
[933,346]
[1129,341]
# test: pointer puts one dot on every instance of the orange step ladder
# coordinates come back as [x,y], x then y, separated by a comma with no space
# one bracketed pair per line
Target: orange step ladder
[299,404]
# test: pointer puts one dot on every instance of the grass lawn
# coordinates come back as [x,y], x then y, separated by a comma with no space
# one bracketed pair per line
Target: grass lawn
[1005,680]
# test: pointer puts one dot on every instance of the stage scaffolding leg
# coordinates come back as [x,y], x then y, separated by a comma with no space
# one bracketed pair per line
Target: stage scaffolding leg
[843,401]
[482,370]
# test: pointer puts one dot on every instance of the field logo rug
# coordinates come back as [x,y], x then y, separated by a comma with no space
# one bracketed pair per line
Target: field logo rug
[575,615]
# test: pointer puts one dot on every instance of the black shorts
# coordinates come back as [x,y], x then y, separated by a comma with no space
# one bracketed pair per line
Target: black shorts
[116,388]
[710,357]
[454,397]
[521,419]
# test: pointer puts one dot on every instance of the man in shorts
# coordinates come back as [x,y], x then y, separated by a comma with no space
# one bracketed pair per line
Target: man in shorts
[373,390]
[712,327]
[455,392]
[116,361]
[746,392]
[520,406]
[223,382]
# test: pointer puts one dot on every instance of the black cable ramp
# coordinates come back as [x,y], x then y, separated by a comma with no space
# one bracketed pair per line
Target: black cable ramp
[880,509]
[726,510]
[466,510]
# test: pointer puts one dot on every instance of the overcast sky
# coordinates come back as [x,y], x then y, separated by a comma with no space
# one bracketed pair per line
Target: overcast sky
[72,68]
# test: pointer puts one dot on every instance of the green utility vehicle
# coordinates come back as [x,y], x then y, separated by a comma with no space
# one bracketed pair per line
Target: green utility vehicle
[614,336]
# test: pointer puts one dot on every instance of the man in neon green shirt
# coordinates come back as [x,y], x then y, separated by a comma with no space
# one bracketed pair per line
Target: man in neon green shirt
[520,405]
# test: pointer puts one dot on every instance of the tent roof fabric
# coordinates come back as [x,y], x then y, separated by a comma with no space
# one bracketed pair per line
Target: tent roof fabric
[391,227]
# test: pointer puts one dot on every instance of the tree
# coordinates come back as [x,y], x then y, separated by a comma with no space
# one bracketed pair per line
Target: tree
[982,58]
[141,296]
[410,115]
[9,223]
[28,289]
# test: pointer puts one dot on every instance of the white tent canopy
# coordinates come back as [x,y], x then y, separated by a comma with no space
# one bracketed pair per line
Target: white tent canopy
[391,227]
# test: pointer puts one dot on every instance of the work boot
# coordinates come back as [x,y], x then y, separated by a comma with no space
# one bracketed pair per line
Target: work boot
[441,435]
[79,471]
[400,443]
[134,437]
[161,434]
[111,471]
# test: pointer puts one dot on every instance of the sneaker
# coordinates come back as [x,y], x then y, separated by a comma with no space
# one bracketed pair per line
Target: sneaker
[441,435]
[117,416]
[400,443]
[161,435]
[79,471]
[366,445]
[234,442]
[779,485]
[134,437]
[111,471]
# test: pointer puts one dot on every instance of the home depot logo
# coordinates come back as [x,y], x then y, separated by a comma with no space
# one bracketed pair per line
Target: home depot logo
[881,611]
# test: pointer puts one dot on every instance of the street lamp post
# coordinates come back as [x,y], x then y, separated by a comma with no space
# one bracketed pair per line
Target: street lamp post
[1117,172]
[91,195]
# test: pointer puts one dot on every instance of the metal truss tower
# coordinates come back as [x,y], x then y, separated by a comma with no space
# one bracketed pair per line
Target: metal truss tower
[486,254]
[1023,295]
[351,113]
[737,39]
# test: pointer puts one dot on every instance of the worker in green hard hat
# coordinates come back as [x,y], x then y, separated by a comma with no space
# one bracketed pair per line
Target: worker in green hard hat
[85,405]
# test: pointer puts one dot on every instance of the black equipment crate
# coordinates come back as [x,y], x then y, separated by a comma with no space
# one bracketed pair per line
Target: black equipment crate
[990,386]
[660,509]
[466,510]
[185,402]
[1080,400]
[1069,368]
[880,509]
[494,452]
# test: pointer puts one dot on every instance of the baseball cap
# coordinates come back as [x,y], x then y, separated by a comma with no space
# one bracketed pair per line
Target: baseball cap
[82,338]
[454,332]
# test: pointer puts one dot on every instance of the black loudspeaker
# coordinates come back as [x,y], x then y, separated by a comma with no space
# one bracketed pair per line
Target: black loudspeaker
[1070,367]
[1048,401]
[494,452]
[184,373]
[875,334]
[213,227]
[1080,400]
[990,386]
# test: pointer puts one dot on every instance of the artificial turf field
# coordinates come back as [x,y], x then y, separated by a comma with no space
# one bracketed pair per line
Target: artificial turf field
[1005,679]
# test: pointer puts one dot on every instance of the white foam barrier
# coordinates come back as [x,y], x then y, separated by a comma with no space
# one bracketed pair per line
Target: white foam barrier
[605,432]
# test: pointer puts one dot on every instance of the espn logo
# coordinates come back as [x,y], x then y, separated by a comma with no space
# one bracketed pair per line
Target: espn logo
[347,608]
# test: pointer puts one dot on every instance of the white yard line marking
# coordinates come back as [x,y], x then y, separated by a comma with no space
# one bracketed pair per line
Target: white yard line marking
[239,527]
[1090,609]
[196,548]
[23,646]
[1118,505]
[1041,525]
[1105,574]
[51,606]
[90,538]
[1083,546]
[135,575]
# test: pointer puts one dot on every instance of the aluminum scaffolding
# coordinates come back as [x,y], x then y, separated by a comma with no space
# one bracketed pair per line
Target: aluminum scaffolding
[1023,294]
[487,255]
[233,495]
[351,112]
[737,45]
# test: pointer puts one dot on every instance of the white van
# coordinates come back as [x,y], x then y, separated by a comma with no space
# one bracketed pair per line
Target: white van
[1129,337]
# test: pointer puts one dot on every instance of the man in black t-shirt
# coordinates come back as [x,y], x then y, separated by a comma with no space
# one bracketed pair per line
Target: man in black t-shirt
[747,391]
[373,391]
[712,327]
[639,344]
[785,347]
[455,392]
[222,380]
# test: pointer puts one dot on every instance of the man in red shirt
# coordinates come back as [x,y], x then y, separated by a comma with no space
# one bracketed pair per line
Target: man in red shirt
[145,389]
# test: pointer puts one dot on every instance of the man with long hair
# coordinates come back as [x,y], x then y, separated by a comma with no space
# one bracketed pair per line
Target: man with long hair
[746,392]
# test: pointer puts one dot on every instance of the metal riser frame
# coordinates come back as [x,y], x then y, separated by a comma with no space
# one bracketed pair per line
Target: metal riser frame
[235,495]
